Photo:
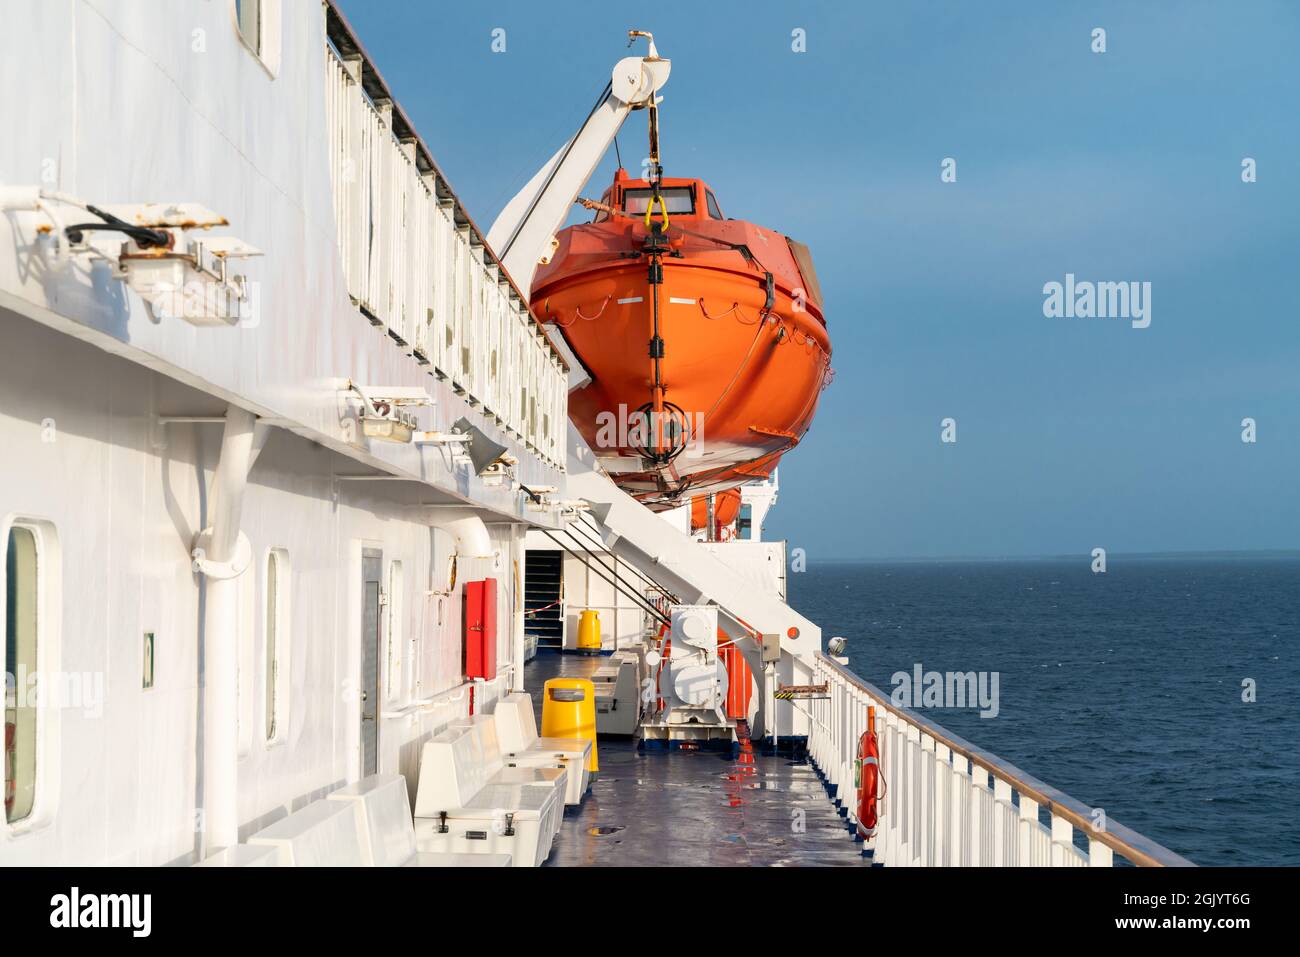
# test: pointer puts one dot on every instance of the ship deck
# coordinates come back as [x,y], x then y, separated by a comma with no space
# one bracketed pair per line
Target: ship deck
[694,808]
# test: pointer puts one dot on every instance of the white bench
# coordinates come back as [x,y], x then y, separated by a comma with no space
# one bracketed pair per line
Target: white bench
[553,774]
[457,810]
[516,728]
[322,834]
[387,832]
[366,824]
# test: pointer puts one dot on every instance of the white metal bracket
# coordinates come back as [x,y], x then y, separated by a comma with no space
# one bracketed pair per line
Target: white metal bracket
[236,566]
[385,412]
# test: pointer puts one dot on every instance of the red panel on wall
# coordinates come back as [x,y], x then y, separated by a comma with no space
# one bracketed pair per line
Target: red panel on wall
[481,629]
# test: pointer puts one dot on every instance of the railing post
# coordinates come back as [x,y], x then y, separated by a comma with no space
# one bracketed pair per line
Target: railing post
[864,706]
[833,757]
[926,774]
[1062,841]
[823,711]
[1027,826]
[846,768]
[941,814]
[850,771]
[889,806]
[812,723]
[1099,854]
[833,739]
[847,793]
[979,785]
[959,823]
[828,708]
[823,706]
[911,797]
[1004,827]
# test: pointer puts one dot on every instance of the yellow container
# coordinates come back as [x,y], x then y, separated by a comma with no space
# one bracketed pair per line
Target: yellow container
[589,631]
[569,711]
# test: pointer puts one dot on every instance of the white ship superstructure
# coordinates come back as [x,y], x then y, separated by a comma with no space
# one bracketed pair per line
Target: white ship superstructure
[270,405]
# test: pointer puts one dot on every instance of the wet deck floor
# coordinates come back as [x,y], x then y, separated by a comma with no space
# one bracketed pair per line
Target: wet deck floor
[652,809]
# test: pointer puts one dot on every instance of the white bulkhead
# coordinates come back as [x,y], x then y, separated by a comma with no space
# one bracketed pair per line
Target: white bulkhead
[189,698]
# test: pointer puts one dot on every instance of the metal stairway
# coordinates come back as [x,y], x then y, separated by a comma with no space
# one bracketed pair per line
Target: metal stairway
[682,566]
[543,583]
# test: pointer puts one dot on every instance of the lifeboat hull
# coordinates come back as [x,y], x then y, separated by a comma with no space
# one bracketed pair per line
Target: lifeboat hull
[744,357]
[726,509]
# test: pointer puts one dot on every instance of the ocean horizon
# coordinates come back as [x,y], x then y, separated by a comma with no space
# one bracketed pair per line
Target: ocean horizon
[1264,553]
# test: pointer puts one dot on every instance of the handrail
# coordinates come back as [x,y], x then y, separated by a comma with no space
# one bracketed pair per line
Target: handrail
[1134,847]
[339,34]
[453,695]
[415,265]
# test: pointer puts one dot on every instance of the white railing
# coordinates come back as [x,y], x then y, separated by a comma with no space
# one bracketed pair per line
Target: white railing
[949,803]
[418,267]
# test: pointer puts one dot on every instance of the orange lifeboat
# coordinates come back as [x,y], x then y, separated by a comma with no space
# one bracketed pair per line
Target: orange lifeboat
[703,336]
[726,506]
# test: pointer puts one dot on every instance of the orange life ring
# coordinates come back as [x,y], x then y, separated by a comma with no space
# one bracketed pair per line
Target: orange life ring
[866,771]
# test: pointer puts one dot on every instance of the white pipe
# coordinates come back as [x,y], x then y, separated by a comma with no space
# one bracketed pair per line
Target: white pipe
[471,535]
[221,639]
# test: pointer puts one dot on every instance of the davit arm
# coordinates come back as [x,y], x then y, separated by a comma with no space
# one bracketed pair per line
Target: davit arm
[522,234]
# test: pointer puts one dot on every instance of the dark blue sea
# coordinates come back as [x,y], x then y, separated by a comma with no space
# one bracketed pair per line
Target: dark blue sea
[1123,689]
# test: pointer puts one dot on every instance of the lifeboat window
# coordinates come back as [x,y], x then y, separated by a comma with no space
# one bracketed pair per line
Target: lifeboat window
[679,199]
[714,211]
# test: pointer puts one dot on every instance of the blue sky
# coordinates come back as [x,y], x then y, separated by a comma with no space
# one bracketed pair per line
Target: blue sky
[1115,166]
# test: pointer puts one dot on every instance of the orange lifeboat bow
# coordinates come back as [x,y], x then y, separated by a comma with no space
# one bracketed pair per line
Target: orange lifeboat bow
[703,336]
[726,509]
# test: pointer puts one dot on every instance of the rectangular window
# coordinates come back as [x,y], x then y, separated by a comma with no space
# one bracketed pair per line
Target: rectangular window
[22,567]
[277,638]
[258,23]
[248,15]
[679,199]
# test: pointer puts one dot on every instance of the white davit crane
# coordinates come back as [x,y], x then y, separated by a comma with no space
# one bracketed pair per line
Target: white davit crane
[779,643]
[523,233]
